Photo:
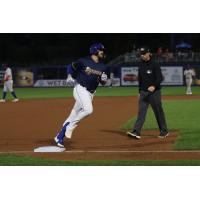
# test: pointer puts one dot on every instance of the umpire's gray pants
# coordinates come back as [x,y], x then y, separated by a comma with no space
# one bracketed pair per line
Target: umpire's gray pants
[154,99]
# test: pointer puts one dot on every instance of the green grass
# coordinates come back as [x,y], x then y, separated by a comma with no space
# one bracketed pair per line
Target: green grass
[16,160]
[182,116]
[34,93]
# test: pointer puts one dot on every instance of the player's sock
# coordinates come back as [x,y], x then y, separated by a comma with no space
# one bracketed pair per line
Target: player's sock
[4,95]
[14,95]
[61,134]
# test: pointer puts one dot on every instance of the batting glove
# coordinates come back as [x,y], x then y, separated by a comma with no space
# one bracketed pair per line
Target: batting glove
[70,80]
[104,77]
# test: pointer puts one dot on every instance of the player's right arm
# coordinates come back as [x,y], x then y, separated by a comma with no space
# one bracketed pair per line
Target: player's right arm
[72,71]
[7,74]
[71,76]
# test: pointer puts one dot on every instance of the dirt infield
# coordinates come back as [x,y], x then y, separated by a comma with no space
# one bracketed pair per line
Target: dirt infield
[32,123]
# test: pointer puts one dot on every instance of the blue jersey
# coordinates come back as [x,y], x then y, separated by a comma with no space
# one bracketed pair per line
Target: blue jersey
[91,81]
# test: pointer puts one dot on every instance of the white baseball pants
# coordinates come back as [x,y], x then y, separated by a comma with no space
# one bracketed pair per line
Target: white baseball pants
[82,108]
[188,84]
[8,86]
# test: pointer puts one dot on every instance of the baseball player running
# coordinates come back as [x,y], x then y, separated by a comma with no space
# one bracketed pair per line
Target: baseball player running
[8,84]
[88,72]
[189,74]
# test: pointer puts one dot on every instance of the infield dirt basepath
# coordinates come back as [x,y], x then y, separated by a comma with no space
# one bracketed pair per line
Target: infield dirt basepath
[29,124]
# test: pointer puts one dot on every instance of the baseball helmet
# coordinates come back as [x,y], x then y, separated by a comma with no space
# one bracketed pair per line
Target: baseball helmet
[95,48]
[4,65]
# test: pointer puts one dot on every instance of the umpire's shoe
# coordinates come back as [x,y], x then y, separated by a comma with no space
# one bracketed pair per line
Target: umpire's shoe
[134,135]
[163,135]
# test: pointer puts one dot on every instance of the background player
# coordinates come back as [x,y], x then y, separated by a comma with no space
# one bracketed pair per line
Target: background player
[88,72]
[189,75]
[8,84]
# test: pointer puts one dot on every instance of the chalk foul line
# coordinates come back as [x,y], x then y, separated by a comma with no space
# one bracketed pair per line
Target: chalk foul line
[104,151]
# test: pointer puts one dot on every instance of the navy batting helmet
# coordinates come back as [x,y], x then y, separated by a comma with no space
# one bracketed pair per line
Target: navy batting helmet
[95,48]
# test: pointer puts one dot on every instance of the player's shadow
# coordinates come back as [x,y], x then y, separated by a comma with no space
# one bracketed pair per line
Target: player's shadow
[51,142]
[46,142]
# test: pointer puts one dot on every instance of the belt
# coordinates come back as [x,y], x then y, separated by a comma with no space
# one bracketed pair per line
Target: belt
[91,91]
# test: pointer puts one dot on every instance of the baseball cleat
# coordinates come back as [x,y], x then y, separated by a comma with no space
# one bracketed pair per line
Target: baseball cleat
[162,136]
[134,135]
[60,136]
[2,101]
[15,100]
[59,142]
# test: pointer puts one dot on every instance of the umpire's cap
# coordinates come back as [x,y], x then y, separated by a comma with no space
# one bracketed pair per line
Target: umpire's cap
[143,50]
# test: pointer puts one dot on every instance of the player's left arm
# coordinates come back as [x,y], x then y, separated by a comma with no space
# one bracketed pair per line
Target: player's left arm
[193,74]
[80,66]
[6,77]
[104,76]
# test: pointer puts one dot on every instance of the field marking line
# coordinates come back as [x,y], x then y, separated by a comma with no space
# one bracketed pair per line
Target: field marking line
[104,151]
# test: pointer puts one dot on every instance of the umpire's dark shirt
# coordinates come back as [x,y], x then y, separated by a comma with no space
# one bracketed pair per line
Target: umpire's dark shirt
[149,74]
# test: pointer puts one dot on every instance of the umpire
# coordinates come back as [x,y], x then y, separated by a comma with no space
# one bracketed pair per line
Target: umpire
[149,78]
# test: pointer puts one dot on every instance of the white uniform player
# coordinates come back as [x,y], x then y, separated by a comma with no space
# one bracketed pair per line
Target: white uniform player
[88,73]
[189,74]
[8,84]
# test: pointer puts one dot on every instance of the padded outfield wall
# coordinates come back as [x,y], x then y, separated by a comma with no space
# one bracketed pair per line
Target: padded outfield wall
[55,76]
